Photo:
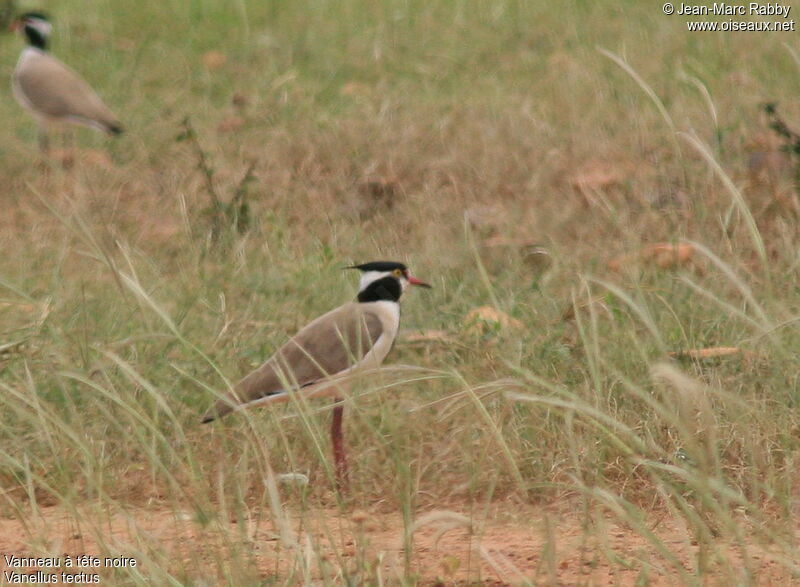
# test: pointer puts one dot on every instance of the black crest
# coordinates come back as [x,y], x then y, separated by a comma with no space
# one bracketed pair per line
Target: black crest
[379,266]
[33,14]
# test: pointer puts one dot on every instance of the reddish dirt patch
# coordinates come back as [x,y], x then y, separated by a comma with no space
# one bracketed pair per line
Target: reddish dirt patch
[504,547]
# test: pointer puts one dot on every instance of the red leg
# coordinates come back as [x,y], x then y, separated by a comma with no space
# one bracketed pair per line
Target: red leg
[339,455]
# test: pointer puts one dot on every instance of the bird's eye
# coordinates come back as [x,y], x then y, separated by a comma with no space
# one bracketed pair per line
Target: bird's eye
[397,273]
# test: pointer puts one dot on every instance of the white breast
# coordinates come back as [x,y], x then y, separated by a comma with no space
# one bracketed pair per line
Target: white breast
[28,54]
[388,313]
[26,59]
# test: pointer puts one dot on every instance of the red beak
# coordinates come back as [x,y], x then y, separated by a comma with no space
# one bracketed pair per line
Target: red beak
[414,281]
[15,25]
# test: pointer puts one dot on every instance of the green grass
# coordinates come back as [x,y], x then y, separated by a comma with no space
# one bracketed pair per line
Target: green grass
[119,317]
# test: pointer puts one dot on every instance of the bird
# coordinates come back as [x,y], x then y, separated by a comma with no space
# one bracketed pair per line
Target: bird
[354,337]
[50,90]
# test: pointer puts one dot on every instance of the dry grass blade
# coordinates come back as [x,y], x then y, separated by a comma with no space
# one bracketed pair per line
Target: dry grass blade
[650,94]
[639,309]
[736,195]
[708,353]
[744,289]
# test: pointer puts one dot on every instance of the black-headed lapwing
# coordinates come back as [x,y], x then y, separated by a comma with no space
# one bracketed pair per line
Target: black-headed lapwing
[50,90]
[353,337]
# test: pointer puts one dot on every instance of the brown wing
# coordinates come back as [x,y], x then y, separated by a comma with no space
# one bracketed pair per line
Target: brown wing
[58,92]
[329,345]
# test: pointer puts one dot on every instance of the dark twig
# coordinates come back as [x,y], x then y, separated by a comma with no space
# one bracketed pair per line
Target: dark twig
[782,129]
[236,211]
[239,209]
[791,138]
[189,134]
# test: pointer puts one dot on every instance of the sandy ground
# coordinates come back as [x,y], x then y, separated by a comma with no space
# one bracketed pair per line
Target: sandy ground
[519,544]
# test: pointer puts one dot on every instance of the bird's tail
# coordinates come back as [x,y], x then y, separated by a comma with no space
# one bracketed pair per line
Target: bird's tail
[230,403]
[220,408]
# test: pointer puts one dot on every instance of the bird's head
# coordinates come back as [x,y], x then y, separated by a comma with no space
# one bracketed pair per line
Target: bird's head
[35,26]
[384,280]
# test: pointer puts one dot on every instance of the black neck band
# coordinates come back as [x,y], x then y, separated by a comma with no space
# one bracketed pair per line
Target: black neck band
[387,288]
[35,38]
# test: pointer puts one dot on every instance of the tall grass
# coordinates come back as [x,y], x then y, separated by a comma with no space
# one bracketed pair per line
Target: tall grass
[120,318]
